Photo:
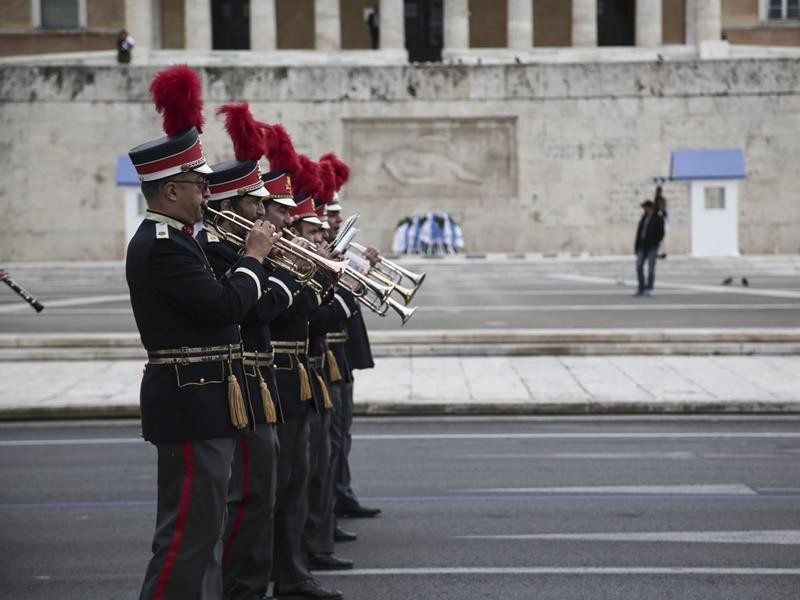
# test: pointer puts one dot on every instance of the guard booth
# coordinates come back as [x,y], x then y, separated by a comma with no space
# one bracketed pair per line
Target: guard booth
[135,206]
[713,176]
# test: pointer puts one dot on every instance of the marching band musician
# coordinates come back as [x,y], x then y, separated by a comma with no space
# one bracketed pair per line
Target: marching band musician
[290,341]
[330,316]
[193,406]
[352,351]
[236,186]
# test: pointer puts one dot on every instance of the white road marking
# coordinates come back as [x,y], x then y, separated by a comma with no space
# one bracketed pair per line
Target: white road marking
[716,289]
[782,537]
[684,435]
[734,489]
[464,436]
[71,442]
[85,301]
[88,311]
[590,455]
[732,571]
[644,305]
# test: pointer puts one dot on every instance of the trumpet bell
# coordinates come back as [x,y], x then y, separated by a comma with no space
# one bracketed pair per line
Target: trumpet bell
[405,313]
[405,292]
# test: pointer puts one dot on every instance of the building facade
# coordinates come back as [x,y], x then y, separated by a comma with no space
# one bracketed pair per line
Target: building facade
[427,28]
[530,135]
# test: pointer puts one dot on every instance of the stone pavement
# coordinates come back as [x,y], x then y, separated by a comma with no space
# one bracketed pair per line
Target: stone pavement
[460,384]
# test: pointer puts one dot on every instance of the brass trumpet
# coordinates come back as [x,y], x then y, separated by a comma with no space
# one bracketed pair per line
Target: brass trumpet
[370,292]
[301,262]
[390,273]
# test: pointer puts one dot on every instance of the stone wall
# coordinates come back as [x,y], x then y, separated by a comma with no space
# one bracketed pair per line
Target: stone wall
[539,157]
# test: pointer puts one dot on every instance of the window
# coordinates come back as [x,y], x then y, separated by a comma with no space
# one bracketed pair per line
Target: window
[715,198]
[778,10]
[59,14]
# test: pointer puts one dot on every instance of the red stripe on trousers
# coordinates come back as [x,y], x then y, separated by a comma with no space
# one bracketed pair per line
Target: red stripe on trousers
[180,527]
[237,523]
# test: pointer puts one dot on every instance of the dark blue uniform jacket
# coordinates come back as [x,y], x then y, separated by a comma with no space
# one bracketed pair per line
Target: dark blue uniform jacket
[177,301]
[224,257]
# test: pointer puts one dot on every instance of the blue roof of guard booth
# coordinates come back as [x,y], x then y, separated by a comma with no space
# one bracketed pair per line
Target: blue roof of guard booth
[126,174]
[709,163]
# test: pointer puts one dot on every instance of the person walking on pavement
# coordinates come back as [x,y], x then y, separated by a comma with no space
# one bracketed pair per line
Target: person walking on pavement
[649,235]
[191,398]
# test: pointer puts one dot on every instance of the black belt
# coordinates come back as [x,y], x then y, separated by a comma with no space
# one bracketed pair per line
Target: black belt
[186,355]
[258,359]
[295,347]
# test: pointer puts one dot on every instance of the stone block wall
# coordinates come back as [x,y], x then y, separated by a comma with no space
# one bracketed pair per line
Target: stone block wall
[539,157]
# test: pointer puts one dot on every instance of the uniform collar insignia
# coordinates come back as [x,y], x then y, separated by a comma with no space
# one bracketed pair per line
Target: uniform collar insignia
[159,218]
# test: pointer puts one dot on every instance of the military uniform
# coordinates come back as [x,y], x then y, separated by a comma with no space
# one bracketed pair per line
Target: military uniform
[290,341]
[187,322]
[319,529]
[193,404]
[247,554]
[247,550]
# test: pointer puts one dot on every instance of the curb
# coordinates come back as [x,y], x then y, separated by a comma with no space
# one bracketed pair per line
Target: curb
[469,342]
[387,409]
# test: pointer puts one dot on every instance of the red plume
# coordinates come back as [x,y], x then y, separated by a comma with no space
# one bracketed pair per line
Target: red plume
[340,168]
[306,180]
[280,150]
[176,92]
[248,138]
[327,176]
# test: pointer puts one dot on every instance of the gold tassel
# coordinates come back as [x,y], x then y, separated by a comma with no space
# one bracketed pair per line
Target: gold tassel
[326,396]
[236,403]
[266,400]
[333,366]
[305,384]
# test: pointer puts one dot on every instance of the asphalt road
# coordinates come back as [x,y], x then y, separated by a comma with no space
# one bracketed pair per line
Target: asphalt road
[556,508]
[543,293]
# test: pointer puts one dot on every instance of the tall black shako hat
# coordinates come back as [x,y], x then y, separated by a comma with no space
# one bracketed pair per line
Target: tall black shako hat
[240,177]
[176,93]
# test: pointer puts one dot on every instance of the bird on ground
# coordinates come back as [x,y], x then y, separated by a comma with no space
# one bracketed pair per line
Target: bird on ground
[727,281]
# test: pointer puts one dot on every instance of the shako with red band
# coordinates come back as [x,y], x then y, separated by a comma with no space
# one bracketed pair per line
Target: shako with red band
[342,175]
[176,95]
[283,162]
[306,184]
[239,177]
[324,196]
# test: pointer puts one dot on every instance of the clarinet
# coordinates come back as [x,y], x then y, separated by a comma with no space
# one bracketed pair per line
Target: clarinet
[24,293]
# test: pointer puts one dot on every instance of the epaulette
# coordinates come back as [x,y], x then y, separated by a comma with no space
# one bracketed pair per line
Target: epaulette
[162,231]
[212,237]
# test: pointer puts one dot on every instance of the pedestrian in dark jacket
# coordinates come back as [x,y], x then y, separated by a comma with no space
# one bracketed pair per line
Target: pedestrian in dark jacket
[649,234]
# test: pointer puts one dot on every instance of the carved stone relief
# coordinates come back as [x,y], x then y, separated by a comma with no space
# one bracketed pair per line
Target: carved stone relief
[436,158]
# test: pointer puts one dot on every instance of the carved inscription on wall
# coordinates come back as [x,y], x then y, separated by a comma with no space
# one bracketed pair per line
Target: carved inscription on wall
[433,158]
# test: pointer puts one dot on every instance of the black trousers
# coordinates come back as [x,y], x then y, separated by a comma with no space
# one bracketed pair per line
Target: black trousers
[291,501]
[320,524]
[187,545]
[247,550]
